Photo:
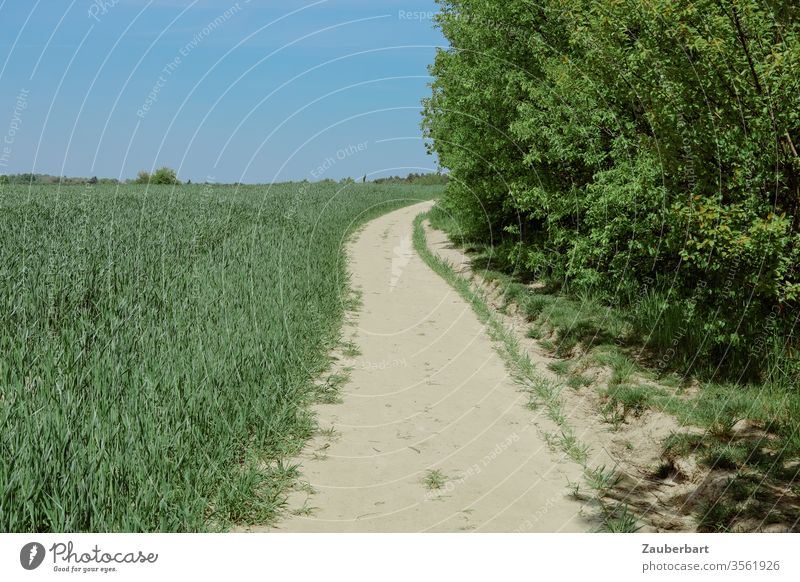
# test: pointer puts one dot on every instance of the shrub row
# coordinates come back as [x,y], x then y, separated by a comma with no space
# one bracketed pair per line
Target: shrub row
[643,151]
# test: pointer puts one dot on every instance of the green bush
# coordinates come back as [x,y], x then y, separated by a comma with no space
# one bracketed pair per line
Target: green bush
[162,176]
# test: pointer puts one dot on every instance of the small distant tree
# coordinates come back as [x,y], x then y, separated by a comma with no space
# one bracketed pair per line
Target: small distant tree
[164,175]
[161,176]
[93,180]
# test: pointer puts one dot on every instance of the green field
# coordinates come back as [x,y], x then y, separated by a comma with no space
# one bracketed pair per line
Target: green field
[160,345]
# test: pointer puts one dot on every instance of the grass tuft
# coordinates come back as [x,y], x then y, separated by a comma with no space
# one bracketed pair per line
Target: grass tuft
[434,480]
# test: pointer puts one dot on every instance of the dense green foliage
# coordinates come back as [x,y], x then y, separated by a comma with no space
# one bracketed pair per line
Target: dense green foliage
[159,344]
[643,152]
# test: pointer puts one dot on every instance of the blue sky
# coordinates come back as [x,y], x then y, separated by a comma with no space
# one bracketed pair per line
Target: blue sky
[221,90]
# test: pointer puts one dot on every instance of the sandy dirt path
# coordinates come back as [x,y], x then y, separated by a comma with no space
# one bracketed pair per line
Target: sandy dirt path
[427,393]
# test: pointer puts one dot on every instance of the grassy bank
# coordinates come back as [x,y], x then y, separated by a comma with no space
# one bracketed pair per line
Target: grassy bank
[160,345]
[544,393]
[744,437]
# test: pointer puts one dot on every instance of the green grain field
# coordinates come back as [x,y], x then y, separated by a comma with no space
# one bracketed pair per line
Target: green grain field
[159,346]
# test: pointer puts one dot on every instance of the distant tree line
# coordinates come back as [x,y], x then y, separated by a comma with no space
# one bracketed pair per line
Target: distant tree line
[161,176]
[168,176]
[421,179]
[28,178]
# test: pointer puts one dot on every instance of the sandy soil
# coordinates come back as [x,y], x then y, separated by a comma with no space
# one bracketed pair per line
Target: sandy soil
[633,449]
[427,393]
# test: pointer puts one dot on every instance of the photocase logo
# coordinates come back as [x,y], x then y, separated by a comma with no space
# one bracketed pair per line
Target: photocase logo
[31,555]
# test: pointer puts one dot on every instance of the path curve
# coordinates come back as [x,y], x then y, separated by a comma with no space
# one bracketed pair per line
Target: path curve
[427,393]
